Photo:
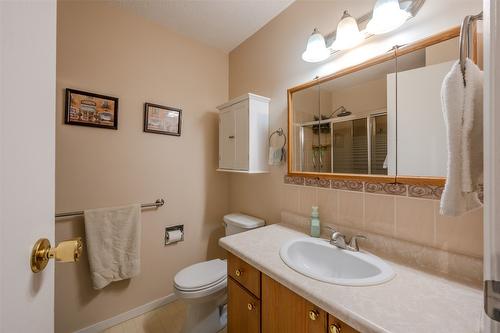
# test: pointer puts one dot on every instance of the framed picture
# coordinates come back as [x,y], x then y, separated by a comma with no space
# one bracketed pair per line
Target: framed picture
[162,119]
[89,109]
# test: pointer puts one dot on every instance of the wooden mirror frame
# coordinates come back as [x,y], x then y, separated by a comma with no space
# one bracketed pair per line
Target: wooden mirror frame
[393,54]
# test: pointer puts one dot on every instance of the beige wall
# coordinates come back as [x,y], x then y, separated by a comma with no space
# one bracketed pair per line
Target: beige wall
[106,50]
[269,62]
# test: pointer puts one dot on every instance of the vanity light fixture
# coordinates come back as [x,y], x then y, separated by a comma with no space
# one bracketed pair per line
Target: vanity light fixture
[316,49]
[387,16]
[348,35]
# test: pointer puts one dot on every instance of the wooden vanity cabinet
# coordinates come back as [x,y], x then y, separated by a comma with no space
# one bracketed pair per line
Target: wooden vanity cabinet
[245,274]
[257,303]
[337,326]
[243,309]
[285,311]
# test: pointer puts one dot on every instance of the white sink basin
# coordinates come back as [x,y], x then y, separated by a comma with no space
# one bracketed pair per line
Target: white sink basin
[318,259]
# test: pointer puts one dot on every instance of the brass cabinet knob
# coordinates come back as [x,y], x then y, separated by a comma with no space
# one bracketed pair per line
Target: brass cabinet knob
[250,306]
[238,272]
[313,314]
[335,328]
[66,251]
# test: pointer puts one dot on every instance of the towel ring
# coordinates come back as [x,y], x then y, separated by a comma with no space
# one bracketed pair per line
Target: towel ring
[280,132]
[465,39]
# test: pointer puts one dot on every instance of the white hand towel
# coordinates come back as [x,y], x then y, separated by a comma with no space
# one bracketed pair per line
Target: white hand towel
[275,156]
[454,201]
[472,136]
[113,243]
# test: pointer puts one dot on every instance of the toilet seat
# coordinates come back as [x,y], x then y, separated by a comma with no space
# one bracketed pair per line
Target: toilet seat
[213,290]
[201,279]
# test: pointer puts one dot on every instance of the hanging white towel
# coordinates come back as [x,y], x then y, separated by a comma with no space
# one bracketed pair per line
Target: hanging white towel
[454,200]
[472,139]
[276,156]
[113,243]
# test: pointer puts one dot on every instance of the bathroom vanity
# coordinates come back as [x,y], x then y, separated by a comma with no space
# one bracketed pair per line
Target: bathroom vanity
[256,304]
[265,295]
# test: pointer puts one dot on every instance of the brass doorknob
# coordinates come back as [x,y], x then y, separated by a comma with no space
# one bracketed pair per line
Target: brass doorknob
[250,306]
[313,314]
[238,272]
[66,251]
[335,328]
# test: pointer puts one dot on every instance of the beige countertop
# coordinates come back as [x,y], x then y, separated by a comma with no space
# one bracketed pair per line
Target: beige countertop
[414,301]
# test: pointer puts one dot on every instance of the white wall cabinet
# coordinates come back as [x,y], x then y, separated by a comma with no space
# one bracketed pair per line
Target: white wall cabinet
[243,134]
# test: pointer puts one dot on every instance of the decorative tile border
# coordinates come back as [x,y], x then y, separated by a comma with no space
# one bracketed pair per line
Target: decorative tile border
[294,180]
[386,188]
[348,185]
[311,181]
[425,191]
[324,183]
[413,191]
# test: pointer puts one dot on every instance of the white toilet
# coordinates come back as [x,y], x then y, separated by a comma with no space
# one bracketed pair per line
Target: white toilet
[203,285]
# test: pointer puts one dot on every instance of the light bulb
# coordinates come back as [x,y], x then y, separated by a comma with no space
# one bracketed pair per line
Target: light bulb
[387,16]
[348,34]
[316,50]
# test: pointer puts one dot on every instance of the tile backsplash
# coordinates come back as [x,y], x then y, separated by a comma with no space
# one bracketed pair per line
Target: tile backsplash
[406,212]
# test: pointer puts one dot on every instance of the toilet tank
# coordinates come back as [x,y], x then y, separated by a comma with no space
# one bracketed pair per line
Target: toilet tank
[236,223]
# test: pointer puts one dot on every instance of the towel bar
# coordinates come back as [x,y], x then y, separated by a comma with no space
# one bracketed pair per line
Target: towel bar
[158,203]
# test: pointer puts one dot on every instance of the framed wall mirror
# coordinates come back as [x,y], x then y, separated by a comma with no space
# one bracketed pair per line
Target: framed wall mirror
[380,120]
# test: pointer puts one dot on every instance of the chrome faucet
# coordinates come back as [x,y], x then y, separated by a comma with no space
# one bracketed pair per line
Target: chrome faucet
[338,239]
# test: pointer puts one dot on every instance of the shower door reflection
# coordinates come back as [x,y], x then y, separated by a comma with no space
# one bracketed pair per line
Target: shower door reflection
[346,124]
[356,145]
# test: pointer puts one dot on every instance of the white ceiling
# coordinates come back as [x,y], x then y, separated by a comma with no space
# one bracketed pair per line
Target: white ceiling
[222,24]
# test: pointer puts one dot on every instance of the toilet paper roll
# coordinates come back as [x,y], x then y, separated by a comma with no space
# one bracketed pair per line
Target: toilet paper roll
[173,236]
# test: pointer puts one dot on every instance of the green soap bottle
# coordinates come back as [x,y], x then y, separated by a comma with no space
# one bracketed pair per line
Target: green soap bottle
[315,225]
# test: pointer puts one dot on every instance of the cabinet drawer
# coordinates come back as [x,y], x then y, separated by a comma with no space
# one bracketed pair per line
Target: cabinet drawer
[243,310]
[246,275]
[337,326]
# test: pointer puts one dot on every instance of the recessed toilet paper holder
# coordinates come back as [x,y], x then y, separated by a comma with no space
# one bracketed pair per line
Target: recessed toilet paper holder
[173,228]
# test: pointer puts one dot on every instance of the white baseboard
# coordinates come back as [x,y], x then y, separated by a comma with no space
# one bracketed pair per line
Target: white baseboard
[105,324]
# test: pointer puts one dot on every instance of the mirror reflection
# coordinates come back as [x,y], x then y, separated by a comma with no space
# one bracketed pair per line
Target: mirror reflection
[421,139]
[343,125]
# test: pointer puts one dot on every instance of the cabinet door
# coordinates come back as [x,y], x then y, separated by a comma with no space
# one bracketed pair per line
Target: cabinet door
[241,120]
[226,140]
[243,310]
[283,311]
[337,326]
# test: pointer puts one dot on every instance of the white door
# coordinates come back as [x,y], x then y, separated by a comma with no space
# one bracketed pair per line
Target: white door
[420,123]
[27,148]
[226,140]
[492,164]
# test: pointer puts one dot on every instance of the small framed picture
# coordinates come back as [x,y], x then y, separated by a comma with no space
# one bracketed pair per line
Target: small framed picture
[89,109]
[162,119]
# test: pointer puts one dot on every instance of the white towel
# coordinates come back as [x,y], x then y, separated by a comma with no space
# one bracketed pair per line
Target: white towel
[113,243]
[276,155]
[472,143]
[454,200]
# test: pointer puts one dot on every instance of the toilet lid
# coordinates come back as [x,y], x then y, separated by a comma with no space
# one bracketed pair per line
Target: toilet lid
[201,275]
